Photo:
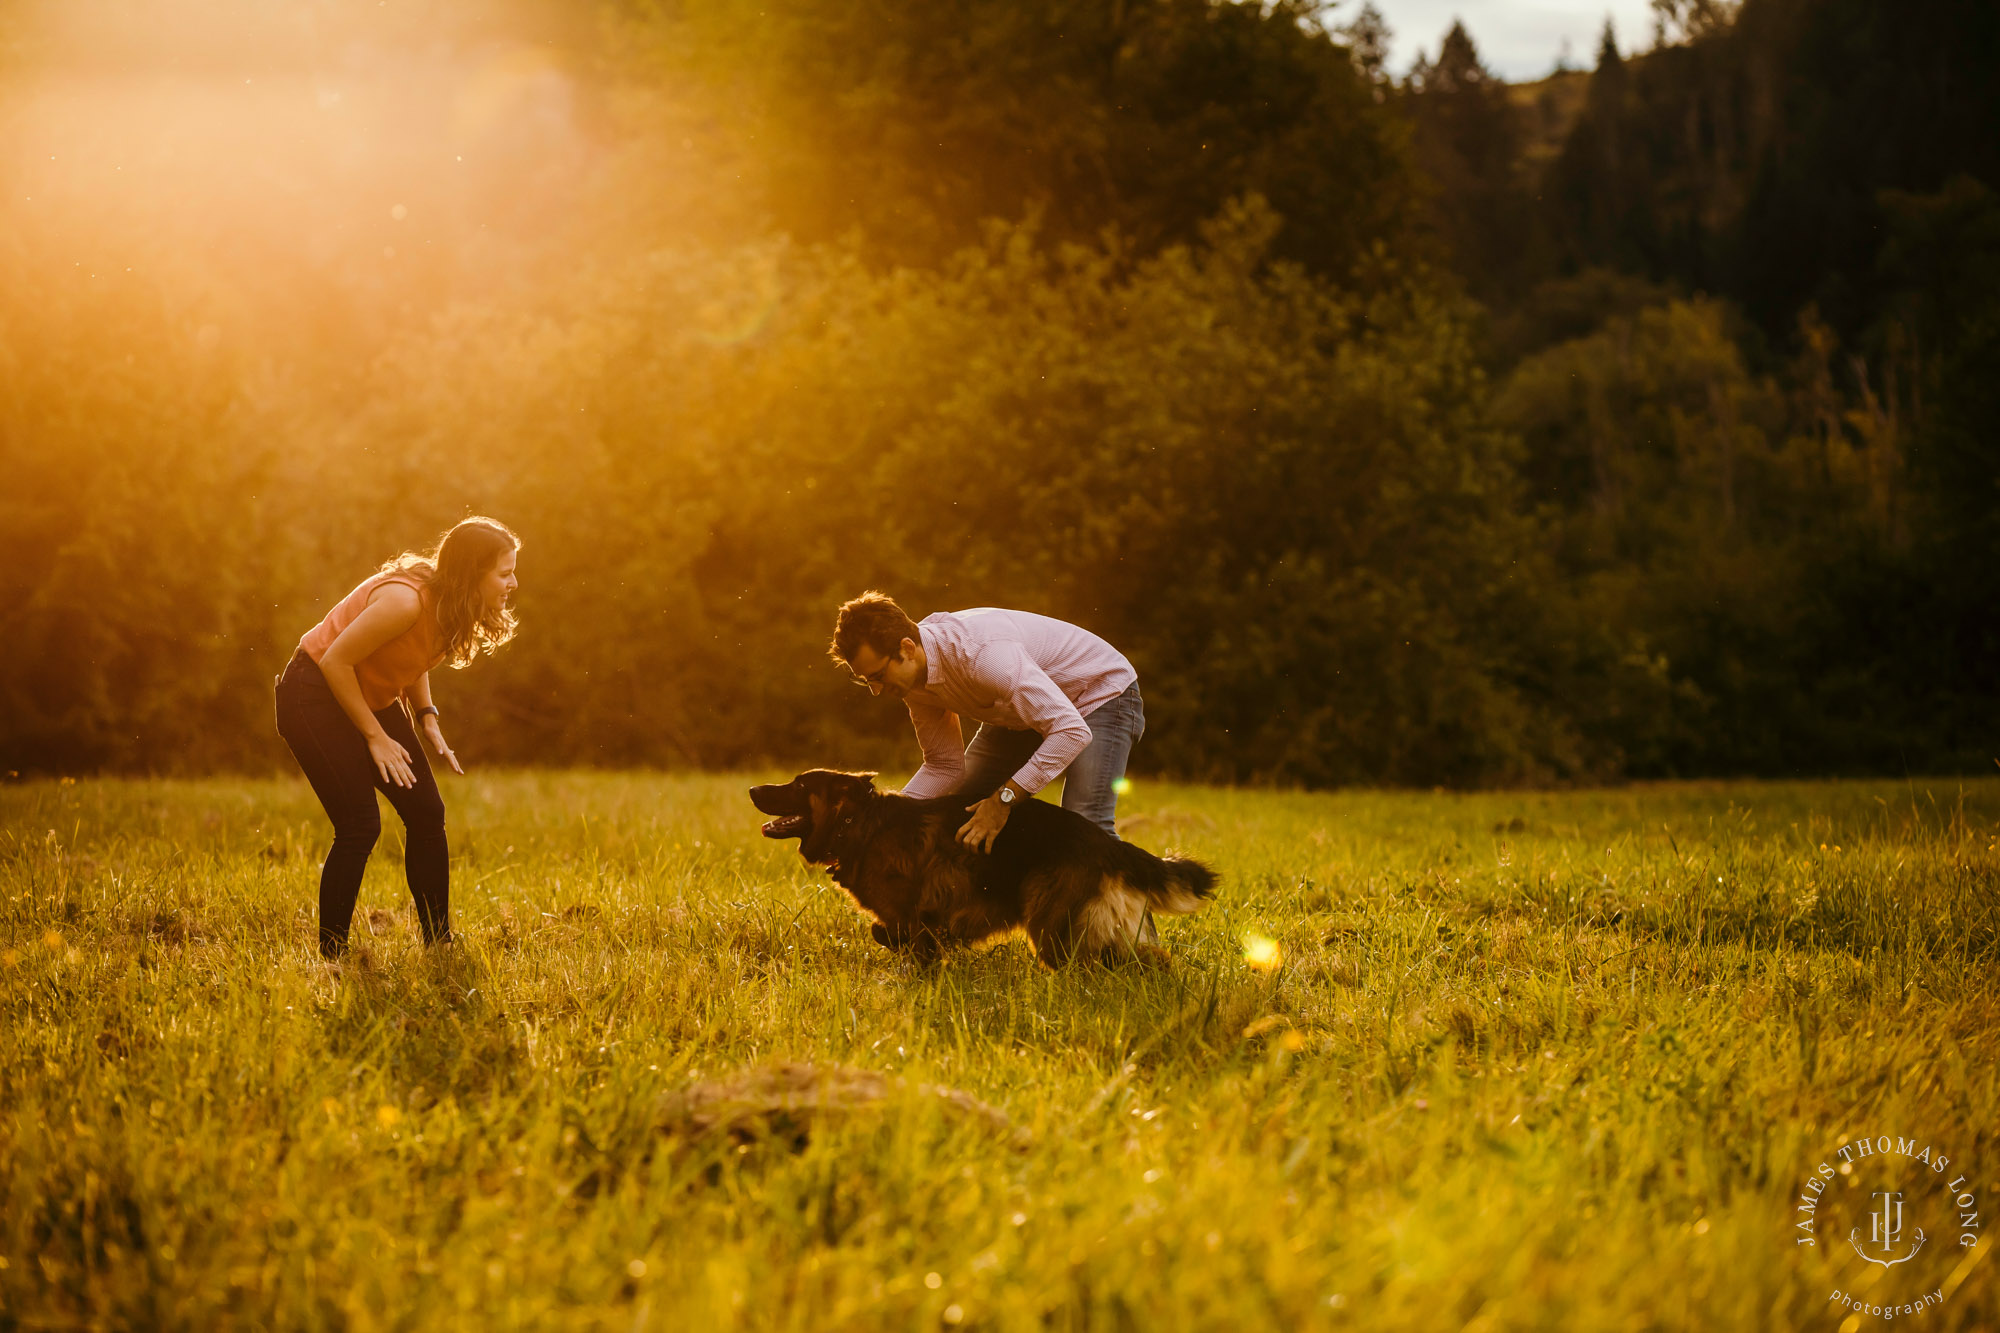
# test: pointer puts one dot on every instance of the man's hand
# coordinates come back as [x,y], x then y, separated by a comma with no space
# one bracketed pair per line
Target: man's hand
[435,735]
[988,818]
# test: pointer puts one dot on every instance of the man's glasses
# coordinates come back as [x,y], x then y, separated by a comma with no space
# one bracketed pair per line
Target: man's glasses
[879,676]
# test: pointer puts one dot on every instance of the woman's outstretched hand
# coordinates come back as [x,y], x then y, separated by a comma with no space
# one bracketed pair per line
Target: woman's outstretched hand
[392,761]
[435,735]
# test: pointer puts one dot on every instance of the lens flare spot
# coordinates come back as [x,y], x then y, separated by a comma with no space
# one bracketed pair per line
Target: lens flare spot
[1122,785]
[387,1116]
[1262,952]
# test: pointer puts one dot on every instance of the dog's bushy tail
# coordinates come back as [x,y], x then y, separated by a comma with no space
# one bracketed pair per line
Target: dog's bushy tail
[1171,885]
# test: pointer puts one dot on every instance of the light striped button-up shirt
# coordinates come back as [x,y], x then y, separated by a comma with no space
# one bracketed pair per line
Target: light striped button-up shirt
[1009,669]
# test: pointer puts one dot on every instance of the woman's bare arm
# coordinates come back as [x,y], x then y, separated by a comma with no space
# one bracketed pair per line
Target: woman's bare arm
[419,696]
[390,612]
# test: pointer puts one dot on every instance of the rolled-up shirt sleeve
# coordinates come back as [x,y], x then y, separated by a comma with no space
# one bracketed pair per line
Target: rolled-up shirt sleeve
[944,750]
[1020,682]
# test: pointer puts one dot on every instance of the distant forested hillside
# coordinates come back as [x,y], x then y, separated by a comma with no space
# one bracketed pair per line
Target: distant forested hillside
[1744,320]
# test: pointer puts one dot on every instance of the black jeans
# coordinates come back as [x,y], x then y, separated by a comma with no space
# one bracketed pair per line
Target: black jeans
[335,758]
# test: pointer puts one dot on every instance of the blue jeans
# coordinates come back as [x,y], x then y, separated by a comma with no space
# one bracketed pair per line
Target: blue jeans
[1090,783]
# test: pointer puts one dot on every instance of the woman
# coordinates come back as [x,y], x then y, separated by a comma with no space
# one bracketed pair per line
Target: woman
[341,707]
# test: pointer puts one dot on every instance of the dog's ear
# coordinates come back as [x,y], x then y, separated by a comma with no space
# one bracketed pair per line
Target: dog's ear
[851,786]
[834,785]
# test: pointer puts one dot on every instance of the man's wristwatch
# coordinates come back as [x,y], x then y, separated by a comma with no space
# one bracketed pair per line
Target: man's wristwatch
[1006,796]
[428,710]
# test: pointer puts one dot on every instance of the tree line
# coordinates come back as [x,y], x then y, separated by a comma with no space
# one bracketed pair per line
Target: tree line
[1416,430]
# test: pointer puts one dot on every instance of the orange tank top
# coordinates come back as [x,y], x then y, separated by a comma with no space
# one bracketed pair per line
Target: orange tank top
[385,673]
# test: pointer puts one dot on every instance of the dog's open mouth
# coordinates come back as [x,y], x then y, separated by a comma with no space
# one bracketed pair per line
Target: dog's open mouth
[790,807]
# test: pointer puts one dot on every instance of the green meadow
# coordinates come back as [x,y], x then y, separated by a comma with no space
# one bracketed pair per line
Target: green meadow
[1430,1061]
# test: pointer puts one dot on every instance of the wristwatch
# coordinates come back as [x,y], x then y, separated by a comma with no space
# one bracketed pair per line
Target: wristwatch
[428,710]
[1006,796]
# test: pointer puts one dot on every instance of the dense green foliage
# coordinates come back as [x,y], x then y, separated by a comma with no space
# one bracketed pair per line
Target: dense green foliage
[1790,483]
[1306,471]
[1759,158]
[1412,432]
[1525,1062]
[129,585]
[911,123]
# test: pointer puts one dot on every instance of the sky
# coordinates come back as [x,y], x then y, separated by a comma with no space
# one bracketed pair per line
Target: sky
[1518,39]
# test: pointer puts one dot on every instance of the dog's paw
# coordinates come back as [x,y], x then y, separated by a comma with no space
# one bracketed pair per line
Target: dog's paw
[1135,955]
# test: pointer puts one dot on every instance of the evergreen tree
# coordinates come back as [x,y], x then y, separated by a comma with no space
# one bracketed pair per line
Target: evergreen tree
[1468,143]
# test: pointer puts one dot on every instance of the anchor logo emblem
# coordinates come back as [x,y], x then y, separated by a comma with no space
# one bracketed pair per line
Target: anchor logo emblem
[1885,1228]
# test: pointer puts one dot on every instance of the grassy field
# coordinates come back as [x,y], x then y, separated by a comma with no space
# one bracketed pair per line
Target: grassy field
[1508,1061]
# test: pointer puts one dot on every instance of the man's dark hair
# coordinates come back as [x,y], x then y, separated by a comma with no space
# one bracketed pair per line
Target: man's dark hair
[872,618]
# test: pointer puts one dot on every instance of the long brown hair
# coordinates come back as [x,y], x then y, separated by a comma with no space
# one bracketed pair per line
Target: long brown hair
[451,571]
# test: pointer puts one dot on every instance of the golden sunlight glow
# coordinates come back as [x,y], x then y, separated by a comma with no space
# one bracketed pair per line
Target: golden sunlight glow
[741,315]
[302,181]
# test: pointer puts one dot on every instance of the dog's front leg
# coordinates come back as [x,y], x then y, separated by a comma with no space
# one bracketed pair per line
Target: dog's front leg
[918,941]
[896,935]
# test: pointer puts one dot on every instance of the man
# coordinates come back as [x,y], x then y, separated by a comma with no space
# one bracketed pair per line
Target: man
[1051,700]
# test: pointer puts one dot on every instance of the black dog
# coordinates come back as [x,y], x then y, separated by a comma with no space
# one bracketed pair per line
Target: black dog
[1074,888]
